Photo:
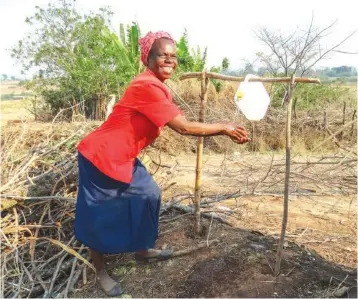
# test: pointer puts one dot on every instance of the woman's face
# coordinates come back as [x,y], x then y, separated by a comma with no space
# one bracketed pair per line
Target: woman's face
[162,60]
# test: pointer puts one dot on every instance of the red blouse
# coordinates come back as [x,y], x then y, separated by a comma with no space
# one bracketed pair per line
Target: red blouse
[135,122]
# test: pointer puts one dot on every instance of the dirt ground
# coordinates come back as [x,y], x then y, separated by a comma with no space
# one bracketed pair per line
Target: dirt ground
[238,265]
[320,254]
[324,220]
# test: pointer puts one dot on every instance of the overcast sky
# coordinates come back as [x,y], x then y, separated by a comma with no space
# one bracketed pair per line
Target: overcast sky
[225,27]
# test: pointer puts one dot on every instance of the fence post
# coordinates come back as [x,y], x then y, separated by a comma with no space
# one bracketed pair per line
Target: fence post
[199,155]
[344,113]
[287,178]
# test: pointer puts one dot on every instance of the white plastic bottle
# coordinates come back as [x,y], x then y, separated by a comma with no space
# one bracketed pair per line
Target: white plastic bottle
[252,99]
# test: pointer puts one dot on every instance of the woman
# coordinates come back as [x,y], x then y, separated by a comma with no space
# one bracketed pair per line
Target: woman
[118,202]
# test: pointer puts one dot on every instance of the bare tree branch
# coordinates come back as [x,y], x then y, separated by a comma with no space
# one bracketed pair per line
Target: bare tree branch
[331,49]
[345,52]
[297,52]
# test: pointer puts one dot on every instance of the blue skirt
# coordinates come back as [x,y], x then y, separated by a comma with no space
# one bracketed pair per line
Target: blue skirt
[114,217]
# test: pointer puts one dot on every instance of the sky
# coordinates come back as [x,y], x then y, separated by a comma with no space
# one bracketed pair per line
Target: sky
[225,27]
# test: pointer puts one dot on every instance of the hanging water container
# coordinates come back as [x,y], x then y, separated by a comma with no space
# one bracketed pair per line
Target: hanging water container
[252,99]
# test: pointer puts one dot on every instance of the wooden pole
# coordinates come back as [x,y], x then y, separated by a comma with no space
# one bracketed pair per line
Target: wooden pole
[199,155]
[352,129]
[287,178]
[253,137]
[344,113]
[255,79]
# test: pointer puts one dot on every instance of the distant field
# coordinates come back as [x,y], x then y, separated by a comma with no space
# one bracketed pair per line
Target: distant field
[346,80]
[14,102]
[352,88]
[13,90]
[12,87]
[15,110]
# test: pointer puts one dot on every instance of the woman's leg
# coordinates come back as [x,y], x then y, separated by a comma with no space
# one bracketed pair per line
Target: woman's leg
[153,197]
[110,286]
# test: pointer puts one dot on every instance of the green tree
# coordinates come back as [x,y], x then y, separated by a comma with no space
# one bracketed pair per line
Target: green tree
[4,77]
[77,57]
[248,69]
[217,83]
[196,60]
[199,60]
[225,64]
[262,71]
[185,60]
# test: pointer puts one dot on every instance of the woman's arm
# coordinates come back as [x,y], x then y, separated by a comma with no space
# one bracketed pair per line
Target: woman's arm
[181,125]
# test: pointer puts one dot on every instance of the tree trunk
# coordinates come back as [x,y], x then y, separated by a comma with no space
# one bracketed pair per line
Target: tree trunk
[287,179]
[199,156]
[99,107]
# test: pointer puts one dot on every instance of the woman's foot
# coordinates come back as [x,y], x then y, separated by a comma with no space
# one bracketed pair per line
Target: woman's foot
[149,253]
[153,254]
[111,287]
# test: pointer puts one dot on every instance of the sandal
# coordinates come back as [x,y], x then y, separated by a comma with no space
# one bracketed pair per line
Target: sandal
[116,291]
[163,255]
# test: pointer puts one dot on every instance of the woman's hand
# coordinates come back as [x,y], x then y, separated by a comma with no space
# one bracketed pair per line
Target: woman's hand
[185,127]
[237,133]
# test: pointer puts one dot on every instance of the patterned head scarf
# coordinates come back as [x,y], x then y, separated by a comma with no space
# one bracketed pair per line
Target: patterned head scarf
[147,41]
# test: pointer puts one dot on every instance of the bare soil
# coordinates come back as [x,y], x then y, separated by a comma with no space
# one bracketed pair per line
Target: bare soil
[239,265]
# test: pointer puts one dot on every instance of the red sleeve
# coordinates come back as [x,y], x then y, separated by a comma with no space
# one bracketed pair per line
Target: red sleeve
[155,103]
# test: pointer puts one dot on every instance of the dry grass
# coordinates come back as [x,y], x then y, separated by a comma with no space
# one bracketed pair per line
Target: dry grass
[38,191]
